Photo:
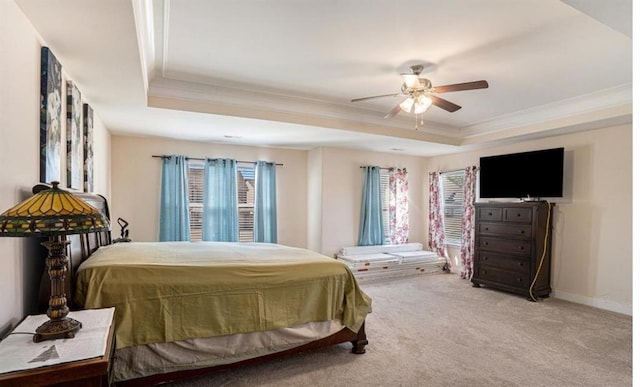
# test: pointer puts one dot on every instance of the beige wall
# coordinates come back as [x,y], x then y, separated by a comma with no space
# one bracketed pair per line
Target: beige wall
[136,183]
[592,241]
[19,156]
[342,189]
[318,191]
[314,202]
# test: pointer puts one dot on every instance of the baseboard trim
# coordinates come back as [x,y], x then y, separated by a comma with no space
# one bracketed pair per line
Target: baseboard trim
[594,302]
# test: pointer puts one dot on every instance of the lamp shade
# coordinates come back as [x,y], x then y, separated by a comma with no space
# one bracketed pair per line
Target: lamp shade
[407,104]
[51,212]
[422,104]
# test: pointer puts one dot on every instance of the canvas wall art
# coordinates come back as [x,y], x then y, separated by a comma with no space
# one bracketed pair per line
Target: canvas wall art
[88,147]
[50,116]
[75,138]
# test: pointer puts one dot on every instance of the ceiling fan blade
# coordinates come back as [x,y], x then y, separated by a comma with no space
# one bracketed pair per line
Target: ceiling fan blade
[444,104]
[396,109]
[411,80]
[461,86]
[375,96]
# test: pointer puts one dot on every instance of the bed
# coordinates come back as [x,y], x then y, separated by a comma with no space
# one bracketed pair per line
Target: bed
[184,309]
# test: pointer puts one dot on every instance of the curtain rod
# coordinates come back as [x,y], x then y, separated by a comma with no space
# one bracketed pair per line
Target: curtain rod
[458,170]
[201,159]
[387,168]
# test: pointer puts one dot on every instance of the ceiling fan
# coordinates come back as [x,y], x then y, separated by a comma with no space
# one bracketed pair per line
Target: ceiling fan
[420,94]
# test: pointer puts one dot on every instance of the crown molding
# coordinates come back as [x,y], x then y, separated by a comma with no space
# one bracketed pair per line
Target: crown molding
[616,100]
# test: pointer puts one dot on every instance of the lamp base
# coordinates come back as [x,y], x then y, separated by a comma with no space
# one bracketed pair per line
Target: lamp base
[65,328]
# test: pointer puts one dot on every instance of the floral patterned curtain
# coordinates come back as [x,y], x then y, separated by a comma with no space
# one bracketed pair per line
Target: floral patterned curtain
[468,222]
[436,217]
[398,206]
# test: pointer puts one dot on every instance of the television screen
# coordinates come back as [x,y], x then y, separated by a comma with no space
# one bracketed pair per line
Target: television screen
[533,174]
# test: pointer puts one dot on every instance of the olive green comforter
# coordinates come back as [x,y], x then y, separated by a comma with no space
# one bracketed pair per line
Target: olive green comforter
[169,291]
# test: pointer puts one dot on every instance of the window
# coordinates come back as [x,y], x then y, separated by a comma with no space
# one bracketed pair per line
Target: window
[384,193]
[246,200]
[452,202]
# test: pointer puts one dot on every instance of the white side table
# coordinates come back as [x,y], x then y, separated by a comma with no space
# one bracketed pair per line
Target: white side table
[82,361]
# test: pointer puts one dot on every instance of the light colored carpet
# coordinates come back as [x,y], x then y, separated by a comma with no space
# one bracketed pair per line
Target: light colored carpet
[437,330]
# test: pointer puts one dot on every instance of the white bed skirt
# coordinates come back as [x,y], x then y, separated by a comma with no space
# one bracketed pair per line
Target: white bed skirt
[151,359]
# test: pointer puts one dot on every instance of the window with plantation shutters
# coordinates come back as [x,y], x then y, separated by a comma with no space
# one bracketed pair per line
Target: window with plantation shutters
[246,200]
[452,203]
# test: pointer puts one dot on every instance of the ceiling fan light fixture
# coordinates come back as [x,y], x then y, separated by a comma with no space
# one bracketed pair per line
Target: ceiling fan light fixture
[423,103]
[406,105]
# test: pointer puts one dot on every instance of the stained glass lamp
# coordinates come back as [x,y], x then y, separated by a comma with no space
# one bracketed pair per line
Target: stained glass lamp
[54,213]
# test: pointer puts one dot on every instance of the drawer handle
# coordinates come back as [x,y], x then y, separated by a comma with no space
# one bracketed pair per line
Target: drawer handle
[491,214]
[486,258]
[522,231]
[518,214]
[484,272]
[521,264]
[486,229]
[521,247]
[486,243]
[519,279]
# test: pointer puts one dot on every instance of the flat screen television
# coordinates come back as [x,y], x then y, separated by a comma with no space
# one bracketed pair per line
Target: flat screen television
[532,175]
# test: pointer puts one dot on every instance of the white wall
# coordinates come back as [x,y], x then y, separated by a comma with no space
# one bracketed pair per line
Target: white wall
[136,179]
[19,156]
[592,240]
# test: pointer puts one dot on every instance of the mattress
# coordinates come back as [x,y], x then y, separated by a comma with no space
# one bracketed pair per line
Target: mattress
[379,249]
[390,261]
[416,256]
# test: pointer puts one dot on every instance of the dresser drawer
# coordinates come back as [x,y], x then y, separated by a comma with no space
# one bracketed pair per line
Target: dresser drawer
[502,229]
[505,246]
[520,280]
[509,263]
[516,214]
[490,213]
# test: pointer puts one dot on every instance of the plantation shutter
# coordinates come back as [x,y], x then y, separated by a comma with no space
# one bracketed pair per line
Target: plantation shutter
[452,183]
[246,201]
[384,193]
[196,190]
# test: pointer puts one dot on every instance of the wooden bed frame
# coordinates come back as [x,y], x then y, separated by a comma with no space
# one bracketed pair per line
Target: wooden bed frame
[83,245]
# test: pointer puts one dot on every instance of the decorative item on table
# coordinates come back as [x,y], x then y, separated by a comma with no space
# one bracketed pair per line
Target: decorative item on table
[53,213]
[124,232]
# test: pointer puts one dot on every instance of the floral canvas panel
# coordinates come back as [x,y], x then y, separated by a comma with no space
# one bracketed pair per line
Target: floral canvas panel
[75,144]
[50,116]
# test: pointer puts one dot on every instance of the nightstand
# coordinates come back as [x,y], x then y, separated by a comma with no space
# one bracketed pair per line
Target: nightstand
[85,360]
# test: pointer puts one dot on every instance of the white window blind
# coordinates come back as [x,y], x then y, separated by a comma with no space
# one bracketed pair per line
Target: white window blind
[246,200]
[452,201]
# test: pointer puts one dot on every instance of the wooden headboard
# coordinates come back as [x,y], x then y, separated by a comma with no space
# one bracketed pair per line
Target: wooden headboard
[80,248]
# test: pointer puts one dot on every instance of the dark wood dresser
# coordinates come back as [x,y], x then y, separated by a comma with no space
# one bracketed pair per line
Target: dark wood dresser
[509,247]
